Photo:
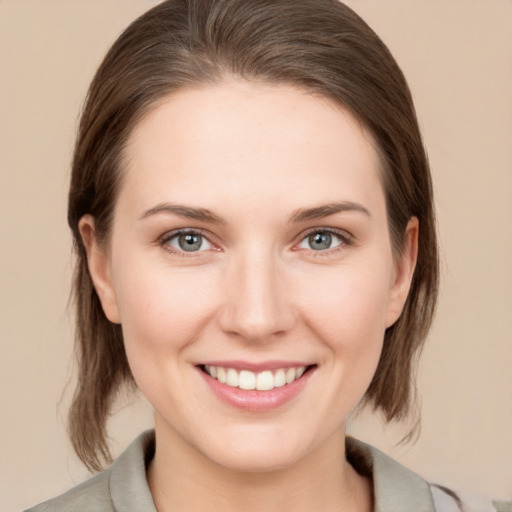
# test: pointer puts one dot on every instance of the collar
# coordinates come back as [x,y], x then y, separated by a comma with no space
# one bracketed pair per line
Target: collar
[128,484]
[395,488]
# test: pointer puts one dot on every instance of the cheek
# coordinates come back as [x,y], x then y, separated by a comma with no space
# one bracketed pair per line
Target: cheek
[350,304]
[348,315]
[162,310]
[345,312]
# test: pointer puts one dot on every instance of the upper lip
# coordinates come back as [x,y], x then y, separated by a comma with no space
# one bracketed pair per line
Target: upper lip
[256,367]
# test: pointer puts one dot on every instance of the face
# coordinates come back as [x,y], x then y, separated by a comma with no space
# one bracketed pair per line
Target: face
[251,269]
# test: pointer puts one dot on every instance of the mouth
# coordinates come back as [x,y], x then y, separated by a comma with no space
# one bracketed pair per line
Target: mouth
[248,380]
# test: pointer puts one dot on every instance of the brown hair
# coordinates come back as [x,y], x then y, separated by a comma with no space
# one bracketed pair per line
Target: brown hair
[320,45]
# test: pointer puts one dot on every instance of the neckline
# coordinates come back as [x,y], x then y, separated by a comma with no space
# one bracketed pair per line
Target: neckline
[395,488]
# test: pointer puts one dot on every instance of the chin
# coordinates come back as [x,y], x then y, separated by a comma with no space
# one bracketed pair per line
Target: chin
[258,452]
[256,460]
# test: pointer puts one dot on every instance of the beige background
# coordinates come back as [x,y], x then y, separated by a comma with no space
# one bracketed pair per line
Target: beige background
[457,56]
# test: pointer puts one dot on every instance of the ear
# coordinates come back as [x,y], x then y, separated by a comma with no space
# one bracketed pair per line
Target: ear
[404,270]
[99,268]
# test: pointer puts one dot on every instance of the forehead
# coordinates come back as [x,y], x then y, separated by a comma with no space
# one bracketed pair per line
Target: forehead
[241,140]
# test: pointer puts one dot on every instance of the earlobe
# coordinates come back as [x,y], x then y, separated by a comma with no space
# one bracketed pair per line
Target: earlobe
[404,272]
[99,269]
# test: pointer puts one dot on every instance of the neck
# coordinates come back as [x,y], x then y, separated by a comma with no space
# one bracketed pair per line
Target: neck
[182,479]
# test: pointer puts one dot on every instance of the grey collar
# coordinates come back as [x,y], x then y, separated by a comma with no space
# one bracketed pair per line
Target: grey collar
[128,484]
[395,488]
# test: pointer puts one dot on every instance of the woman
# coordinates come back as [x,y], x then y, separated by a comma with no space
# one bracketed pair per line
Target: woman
[252,212]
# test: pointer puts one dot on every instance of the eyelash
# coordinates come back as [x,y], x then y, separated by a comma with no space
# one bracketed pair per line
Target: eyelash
[345,238]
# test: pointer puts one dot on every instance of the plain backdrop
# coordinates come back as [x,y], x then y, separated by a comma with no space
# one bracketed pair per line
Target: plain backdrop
[457,56]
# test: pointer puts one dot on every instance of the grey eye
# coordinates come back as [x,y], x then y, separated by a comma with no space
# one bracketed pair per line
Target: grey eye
[320,241]
[189,242]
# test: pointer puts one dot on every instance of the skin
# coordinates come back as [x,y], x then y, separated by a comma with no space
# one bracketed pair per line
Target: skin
[253,155]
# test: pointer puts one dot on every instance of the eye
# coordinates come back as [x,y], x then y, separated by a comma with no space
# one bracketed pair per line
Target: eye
[322,240]
[187,241]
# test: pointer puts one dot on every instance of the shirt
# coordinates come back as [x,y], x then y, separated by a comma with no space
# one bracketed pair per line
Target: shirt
[123,487]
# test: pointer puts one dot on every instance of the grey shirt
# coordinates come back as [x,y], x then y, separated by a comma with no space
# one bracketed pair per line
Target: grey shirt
[124,488]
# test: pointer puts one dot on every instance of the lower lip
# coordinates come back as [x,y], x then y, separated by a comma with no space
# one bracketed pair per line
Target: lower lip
[254,400]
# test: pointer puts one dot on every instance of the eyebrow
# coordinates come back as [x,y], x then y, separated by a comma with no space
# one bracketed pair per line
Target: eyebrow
[189,212]
[300,215]
[319,212]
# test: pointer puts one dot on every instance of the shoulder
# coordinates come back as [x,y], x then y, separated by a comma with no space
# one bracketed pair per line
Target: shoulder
[123,486]
[93,495]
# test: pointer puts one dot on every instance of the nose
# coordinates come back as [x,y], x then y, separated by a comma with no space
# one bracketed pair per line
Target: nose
[258,307]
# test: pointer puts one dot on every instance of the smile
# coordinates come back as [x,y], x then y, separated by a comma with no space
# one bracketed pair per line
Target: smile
[256,387]
[261,381]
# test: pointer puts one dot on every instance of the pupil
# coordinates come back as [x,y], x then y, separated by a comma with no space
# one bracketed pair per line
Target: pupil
[190,242]
[320,241]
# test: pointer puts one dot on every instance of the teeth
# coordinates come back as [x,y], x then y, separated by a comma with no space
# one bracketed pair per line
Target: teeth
[290,375]
[279,378]
[247,380]
[263,381]
[232,378]
[221,374]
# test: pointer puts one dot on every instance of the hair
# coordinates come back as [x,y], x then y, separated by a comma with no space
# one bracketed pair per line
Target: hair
[319,45]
